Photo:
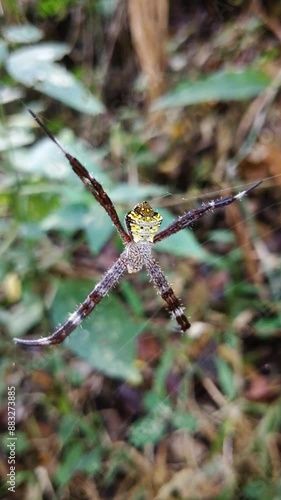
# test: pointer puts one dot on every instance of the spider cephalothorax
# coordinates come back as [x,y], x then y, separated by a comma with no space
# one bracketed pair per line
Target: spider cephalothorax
[142,224]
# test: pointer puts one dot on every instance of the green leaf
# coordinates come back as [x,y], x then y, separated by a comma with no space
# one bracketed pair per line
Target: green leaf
[123,192]
[14,137]
[182,244]
[222,236]
[98,227]
[156,405]
[24,33]
[69,218]
[223,85]
[226,378]
[27,63]
[23,316]
[34,67]
[147,430]
[266,327]
[107,339]
[184,420]
[70,463]
[45,159]
[257,490]
[160,376]
[3,51]
[132,298]
[91,462]
[67,427]
[9,94]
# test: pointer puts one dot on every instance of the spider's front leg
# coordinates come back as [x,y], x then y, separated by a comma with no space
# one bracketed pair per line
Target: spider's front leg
[89,182]
[109,280]
[192,216]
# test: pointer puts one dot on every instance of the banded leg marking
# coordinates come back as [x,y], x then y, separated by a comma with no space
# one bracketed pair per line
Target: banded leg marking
[108,281]
[188,218]
[90,182]
[167,293]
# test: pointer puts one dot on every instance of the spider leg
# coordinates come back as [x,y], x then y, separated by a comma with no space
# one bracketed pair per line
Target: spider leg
[108,281]
[188,218]
[90,182]
[166,292]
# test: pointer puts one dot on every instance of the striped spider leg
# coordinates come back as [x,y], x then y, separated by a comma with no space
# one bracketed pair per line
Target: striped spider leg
[91,184]
[109,280]
[192,216]
[142,224]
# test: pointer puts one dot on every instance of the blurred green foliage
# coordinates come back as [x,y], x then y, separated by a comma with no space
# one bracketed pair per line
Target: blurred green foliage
[49,225]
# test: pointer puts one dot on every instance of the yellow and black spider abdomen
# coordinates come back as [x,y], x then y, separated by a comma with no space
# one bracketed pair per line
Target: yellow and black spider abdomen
[143,223]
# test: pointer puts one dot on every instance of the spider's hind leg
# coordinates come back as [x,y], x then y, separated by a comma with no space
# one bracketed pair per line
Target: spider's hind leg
[167,293]
[108,281]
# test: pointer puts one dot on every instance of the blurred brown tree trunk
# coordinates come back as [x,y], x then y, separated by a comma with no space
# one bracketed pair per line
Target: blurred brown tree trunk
[148,20]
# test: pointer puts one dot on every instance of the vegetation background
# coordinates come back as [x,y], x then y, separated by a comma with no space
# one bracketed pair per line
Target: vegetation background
[176,102]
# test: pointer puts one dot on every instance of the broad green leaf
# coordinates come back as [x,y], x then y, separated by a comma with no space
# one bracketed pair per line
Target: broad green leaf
[257,490]
[68,218]
[223,85]
[29,64]
[226,378]
[31,231]
[9,94]
[147,430]
[123,192]
[3,51]
[91,462]
[184,420]
[107,339]
[132,297]
[67,425]
[53,8]
[98,227]
[222,236]
[45,159]
[266,327]
[24,33]
[158,406]
[35,67]
[14,137]
[23,316]
[162,371]
[69,464]
[183,243]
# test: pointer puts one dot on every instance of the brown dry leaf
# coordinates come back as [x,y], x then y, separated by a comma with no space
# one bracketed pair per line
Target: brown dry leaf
[202,335]
[148,349]
[263,388]
[11,286]
[170,166]
[161,472]
[113,423]
[242,323]
[205,483]
[263,161]
[244,240]
[198,298]
[82,487]
[42,380]
[271,21]
[186,449]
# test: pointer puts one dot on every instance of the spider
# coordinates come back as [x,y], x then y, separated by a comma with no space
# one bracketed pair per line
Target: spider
[142,224]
